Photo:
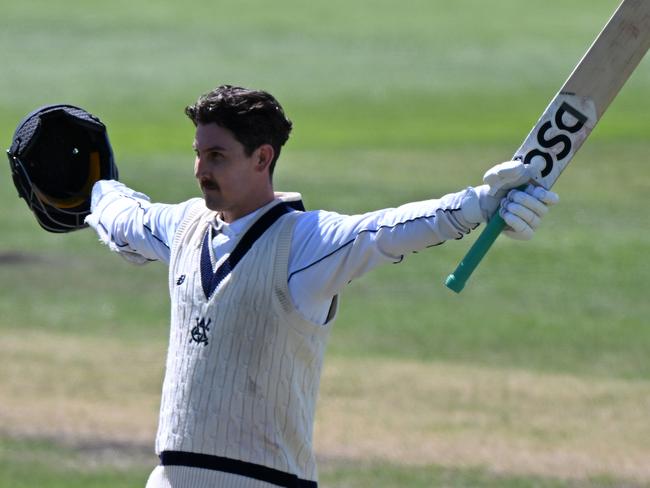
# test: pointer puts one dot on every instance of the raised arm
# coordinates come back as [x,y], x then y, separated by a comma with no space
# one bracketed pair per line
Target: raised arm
[129,224]
[330,250]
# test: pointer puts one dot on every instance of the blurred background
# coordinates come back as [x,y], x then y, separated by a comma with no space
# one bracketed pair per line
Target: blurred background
[536,375]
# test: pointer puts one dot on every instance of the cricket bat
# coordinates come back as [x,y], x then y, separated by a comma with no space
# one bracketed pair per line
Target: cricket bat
[574,111]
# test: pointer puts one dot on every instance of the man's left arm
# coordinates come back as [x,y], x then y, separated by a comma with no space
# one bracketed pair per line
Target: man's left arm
[330,250]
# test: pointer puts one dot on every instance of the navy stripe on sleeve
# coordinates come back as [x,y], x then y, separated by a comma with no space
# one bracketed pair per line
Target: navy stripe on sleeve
[373,231]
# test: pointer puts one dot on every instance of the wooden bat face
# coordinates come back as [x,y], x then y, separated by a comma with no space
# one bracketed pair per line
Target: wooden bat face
[558,135]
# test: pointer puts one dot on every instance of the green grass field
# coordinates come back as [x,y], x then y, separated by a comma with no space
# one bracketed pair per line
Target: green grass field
[536,375]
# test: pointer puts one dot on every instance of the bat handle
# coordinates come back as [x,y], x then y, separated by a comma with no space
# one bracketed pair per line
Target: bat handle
[456,280]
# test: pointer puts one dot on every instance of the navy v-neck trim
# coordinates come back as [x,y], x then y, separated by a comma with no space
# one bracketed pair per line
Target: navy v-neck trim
[210,279]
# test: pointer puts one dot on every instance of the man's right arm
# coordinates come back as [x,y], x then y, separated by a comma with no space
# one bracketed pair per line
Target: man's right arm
[129,224]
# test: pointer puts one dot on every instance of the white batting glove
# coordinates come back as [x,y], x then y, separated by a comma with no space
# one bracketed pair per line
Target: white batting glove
[501,178]
[105,193]
[510,174]
[522,211]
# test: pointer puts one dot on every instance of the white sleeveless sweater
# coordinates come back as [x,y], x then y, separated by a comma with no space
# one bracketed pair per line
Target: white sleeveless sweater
[243,366]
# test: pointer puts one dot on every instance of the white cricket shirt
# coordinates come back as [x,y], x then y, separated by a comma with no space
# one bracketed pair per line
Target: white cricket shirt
[328,250]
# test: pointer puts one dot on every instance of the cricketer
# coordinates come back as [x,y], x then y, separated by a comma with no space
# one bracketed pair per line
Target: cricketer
[254,282]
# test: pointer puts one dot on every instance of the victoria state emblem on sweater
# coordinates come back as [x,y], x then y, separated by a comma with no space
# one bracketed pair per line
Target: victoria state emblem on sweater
[200,331]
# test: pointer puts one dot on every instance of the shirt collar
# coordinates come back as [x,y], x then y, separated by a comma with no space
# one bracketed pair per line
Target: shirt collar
[234,229]
[237,227]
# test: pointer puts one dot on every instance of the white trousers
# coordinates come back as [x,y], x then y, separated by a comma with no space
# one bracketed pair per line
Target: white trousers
[186,477]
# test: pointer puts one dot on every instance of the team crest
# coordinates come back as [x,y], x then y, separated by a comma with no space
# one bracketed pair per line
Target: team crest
[200,332]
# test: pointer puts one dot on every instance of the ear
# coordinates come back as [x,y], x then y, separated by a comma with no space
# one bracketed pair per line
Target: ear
[264,155]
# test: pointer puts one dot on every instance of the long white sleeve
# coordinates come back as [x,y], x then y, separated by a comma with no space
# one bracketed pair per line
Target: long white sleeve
[330,250]
[129,224]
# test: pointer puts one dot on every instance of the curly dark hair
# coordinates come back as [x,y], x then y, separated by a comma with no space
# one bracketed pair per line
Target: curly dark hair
[253,116]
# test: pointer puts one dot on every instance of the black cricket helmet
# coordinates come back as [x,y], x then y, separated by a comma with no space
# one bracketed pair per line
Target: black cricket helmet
[57,154]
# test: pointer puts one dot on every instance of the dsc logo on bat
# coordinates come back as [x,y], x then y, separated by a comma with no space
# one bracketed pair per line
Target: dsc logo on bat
[560,131]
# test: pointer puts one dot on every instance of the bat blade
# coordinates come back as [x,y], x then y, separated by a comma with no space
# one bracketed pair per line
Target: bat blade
[589,90]
[574,112]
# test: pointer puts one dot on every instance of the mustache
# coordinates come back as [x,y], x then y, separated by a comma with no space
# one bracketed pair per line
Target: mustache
[208,184]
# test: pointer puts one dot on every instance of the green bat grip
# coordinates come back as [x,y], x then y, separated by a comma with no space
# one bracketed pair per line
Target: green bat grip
[456,281]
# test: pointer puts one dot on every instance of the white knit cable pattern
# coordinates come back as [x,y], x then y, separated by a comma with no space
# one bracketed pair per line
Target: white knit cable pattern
[250,392]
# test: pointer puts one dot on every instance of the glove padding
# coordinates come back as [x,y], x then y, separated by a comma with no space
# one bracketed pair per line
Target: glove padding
[522,211]
[510,174]
[99,190]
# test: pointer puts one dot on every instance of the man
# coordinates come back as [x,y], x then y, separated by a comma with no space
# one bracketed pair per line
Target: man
[254,282]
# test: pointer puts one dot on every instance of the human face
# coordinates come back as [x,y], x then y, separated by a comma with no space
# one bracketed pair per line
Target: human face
[233,183]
